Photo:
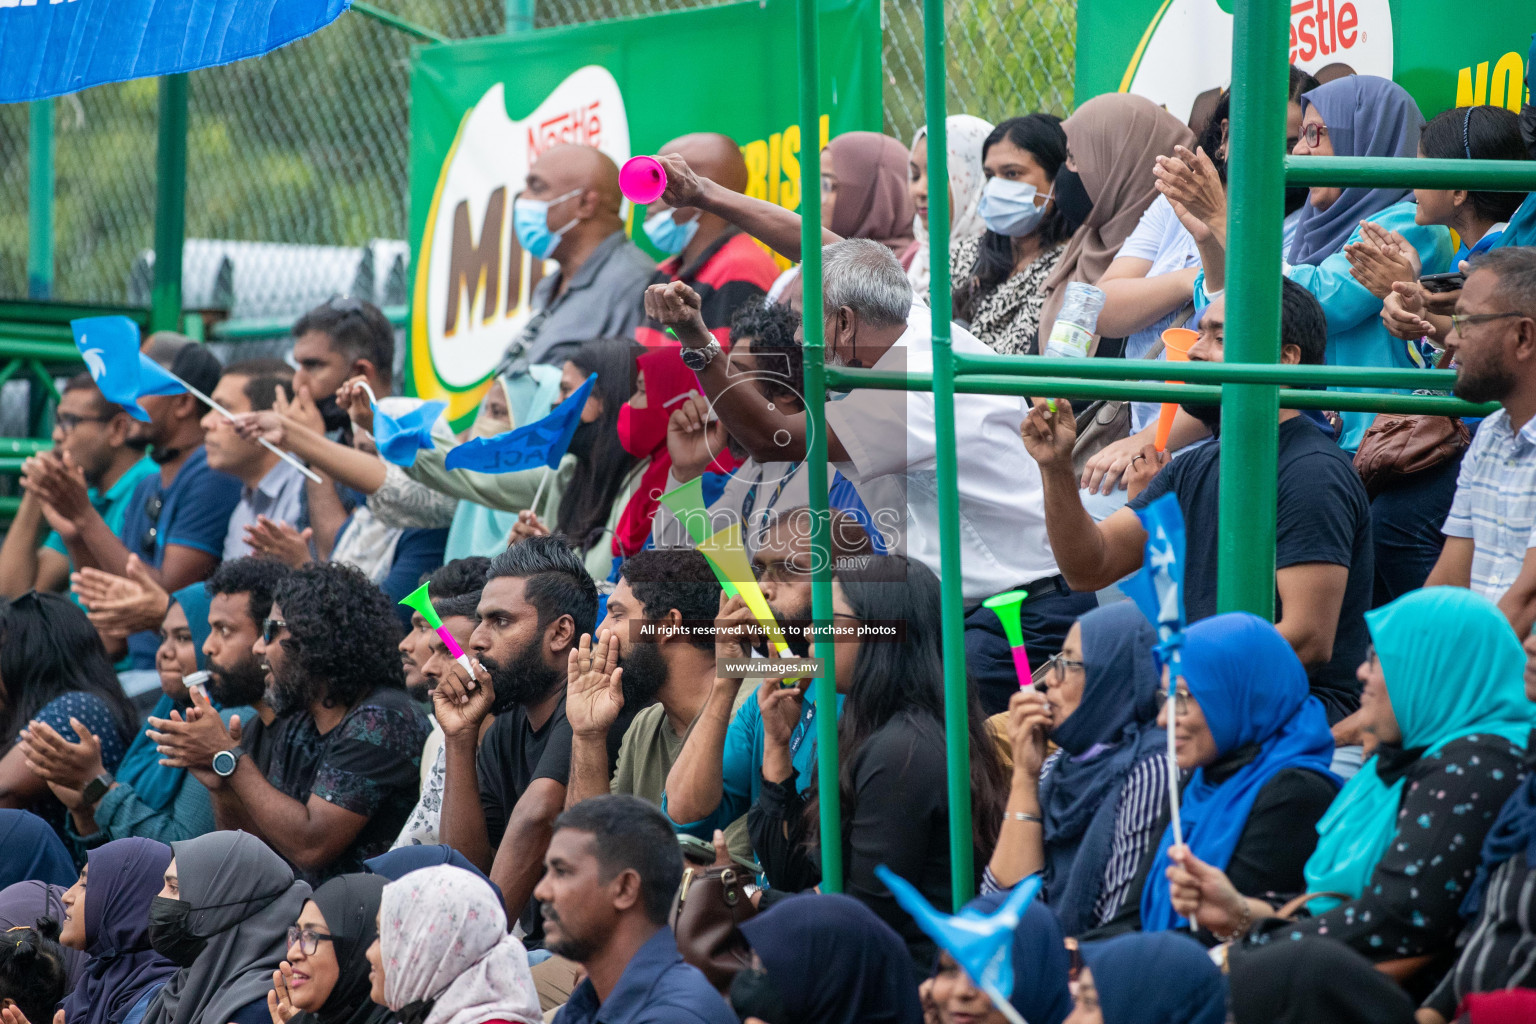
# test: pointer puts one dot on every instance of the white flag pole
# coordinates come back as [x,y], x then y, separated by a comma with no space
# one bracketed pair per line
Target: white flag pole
[268,445]
[534,508]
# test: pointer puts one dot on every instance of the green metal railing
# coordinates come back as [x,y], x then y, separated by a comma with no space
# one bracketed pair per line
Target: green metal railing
[1252,388]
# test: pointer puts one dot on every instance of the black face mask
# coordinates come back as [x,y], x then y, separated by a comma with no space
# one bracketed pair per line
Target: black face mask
[169,933]
[335,416]
[1210,415]
[1072,198]
[753,994]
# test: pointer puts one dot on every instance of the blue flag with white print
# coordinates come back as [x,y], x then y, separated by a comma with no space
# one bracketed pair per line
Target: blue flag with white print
[982,944]
[399,438]
[110,347]
[1158,589]
[540,443]
[53,47]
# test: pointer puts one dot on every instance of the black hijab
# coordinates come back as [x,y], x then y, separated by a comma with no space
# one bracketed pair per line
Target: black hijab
[350,905]
[1310,980]
[834,962]
[1080,795]
[125,875]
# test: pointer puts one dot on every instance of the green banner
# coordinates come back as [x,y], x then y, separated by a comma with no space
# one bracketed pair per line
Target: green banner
[482,110]
[1172,51]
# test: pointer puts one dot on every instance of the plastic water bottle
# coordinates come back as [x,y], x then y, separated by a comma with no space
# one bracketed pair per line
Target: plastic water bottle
[1072,334]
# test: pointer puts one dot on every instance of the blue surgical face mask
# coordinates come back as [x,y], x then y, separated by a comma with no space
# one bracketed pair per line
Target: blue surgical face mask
[667,234]
[1008,207]
[530,219]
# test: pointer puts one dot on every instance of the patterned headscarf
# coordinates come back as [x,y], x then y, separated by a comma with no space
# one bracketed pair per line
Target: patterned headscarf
[448,958]
[963,137]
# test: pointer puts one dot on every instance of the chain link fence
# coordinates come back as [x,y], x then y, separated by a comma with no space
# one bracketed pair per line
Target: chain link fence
[305,150]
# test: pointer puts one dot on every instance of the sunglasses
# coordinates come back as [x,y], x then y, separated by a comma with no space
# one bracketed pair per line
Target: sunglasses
[152,509]
[270,628]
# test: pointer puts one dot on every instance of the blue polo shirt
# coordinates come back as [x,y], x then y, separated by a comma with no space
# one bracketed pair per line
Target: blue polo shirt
[656,988]
[193,512]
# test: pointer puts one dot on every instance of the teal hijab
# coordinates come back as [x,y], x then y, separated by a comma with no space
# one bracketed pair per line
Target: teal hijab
[152,782]
[476,529]
[1453,668]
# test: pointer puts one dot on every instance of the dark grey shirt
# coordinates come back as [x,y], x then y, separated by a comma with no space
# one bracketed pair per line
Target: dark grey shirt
[603,300]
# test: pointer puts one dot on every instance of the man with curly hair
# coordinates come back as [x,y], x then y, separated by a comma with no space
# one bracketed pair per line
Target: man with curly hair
[348,772]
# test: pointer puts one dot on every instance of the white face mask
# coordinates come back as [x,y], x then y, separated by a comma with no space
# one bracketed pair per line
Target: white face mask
[1008,207]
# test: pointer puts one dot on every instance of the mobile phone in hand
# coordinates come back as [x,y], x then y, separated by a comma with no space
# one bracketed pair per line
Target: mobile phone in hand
[1437,283]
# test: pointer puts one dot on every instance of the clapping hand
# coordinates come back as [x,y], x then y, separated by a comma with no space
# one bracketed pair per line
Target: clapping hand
[120,605]
[279,540]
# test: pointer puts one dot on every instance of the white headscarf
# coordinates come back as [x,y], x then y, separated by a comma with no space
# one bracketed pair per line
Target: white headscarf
[443,937]
[963,136]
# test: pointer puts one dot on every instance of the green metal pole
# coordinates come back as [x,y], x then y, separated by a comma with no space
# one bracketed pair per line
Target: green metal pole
[831,818]
[40,202]
[957,732]
[520,15]
[1245,579]
[394,21]
[170,204]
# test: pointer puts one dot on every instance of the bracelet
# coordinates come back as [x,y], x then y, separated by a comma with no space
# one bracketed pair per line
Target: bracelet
[1023,816]
[1242,926]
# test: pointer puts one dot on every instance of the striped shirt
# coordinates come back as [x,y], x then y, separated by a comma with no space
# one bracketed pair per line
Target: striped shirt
[1141,799]
[1495,503]
[1498,949]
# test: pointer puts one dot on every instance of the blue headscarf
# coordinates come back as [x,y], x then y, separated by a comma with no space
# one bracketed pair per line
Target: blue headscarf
[126,875]
[1366,116]
[1427,640]
[1080,795]
[1162,978]
[1252,690]
[396,864]
[153,782]
[835,962]
[1041,965]
[32,851]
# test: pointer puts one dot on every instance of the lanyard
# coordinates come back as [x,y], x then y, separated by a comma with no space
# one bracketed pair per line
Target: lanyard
[803,729]
[749,503]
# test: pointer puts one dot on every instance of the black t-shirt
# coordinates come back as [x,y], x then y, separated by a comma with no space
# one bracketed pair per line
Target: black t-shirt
[369,763]
[1322,515]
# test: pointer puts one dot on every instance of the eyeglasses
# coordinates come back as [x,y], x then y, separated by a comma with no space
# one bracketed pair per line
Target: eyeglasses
[1058,664]
[307,939]
[152,508]
[1180,702]
[1460,320]
[68,421]
[270,628]
[1313,133]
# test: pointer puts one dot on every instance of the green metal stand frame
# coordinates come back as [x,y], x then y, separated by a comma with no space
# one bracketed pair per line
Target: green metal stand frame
[1251,388]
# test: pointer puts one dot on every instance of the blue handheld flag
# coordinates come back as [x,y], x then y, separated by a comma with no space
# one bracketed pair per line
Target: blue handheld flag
[51,48]
[1158,590]
[110,347]
[399,438]
[540,443]
[982,944]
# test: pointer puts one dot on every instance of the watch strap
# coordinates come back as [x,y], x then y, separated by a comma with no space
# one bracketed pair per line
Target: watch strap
[97,788]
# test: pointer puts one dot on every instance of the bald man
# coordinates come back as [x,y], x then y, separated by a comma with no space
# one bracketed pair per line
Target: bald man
[726,267]
[568,212]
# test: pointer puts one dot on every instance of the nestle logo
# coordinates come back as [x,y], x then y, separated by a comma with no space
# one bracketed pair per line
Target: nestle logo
[1322,27]
[582,126]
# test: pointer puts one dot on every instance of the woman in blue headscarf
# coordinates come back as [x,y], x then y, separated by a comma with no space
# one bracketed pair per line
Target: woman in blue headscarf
[1041,973]
[145,798]
[1260,747]
[1149,979]
[1098,700]
[1445,696]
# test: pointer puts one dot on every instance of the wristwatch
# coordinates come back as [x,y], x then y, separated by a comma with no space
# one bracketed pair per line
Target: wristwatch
[97,788]
[696,359]
[225,760]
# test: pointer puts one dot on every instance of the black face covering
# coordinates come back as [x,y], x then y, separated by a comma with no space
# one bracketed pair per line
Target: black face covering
[335,416]
[753,994]
[169,933]
[1072,198]
[1295,195]
[1210,415]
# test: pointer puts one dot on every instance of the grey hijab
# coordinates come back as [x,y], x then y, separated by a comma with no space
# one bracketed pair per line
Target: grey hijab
[1366,116]
[244,897]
